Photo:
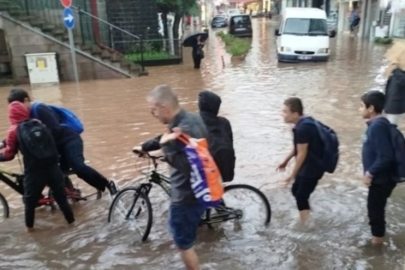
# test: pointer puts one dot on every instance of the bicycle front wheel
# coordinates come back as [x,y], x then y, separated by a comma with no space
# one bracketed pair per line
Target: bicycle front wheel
[132,210]
[244,209]
[5,210]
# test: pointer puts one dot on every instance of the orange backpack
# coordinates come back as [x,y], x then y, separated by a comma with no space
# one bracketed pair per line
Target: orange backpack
[206,180]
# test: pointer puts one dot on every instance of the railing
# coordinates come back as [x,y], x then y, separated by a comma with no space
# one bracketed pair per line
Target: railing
[50,11]
[136,48]
[91,31]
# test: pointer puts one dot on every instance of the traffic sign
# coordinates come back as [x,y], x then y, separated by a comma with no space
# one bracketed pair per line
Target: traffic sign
[66,3]
[69,18]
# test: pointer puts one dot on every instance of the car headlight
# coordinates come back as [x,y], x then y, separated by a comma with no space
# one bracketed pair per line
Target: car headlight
[285,49]
[323,50]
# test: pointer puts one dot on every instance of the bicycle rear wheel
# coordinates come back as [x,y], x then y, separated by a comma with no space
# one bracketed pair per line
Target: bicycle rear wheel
[132,210]
[5,210]
[245,209]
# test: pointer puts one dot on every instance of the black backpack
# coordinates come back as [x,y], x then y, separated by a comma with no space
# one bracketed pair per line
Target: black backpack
[35,142]
[222,151]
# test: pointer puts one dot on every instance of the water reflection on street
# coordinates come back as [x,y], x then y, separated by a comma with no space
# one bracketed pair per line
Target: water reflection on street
[116,118]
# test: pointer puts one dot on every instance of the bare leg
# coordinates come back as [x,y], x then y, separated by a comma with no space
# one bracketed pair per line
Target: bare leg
[377,240]
[190,259]
[304,215]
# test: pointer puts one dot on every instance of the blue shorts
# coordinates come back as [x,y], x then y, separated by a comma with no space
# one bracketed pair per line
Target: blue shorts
[183,223]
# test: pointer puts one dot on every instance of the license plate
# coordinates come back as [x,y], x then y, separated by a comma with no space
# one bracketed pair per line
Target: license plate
[304,57]
[240,29]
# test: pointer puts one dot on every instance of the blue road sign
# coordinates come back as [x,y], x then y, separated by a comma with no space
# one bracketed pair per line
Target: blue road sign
[69,18]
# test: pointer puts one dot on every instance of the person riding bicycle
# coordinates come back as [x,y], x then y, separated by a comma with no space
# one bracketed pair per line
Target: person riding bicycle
[41,161]
[68,142]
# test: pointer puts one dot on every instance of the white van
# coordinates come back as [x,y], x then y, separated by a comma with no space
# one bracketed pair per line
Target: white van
[303,35]
[232,12]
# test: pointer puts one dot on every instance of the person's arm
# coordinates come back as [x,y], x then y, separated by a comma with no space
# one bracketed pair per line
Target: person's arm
[11,146]
[381,140]
[289,156]
[151,145]
[174,151]
[302,139]
[47,117]
[228,127]
[3,144]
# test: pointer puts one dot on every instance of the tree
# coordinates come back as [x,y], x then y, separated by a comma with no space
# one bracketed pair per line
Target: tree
[180,8]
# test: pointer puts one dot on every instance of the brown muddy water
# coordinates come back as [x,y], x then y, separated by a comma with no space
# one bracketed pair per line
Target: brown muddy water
[117,118]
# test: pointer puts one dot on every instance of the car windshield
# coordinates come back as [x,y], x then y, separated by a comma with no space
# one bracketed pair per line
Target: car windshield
[219,18]
[242,20]
[305,27]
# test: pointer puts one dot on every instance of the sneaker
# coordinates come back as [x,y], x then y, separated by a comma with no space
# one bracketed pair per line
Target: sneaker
[112,187]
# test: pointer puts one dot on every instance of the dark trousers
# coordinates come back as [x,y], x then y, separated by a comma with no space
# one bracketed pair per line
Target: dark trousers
[35,182]
[72,158]
[197,61]
[376,202]
[302,189]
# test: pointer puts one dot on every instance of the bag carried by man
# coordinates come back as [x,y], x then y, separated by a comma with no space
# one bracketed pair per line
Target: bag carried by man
[67,117]
[330,141]
[206,181]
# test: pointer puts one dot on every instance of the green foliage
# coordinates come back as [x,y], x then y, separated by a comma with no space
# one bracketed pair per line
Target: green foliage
[383,41]
[234,46]
[147,46]
[188,7]
[136,57]
[152,50]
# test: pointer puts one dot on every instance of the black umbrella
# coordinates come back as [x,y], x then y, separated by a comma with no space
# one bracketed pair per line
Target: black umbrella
[190,40]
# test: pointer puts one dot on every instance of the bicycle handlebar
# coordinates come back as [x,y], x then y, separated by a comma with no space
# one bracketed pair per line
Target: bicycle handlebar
[147,155]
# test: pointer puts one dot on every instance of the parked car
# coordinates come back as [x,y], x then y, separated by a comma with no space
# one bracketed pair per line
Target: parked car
[240,26]
[219,21]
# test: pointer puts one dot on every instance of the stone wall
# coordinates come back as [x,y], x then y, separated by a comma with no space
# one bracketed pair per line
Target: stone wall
[21,41]
[139,17]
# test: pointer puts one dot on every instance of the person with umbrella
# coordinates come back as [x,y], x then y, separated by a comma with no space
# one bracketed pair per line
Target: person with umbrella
[196,41]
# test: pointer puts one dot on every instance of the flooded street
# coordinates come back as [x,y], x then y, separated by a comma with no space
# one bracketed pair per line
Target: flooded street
[116,118]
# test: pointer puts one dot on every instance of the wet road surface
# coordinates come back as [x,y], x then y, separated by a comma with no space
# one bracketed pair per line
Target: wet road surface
[116,118]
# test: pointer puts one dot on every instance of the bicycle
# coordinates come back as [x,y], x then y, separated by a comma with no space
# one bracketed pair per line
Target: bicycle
[16,184]
[220,214]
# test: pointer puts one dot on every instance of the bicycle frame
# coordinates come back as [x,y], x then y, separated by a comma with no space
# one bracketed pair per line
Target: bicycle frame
[13,184]
[164,182]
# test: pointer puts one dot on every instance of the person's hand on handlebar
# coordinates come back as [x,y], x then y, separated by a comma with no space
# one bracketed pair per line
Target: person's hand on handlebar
[138,151]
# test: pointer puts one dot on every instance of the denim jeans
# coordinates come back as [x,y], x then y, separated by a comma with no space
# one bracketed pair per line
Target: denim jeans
[183,223]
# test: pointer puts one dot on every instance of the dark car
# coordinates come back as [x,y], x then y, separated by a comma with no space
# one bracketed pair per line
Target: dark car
[219,22]
[240,26]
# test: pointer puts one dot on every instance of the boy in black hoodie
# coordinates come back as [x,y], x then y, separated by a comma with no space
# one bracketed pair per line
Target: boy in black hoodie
[220,137]
[378,161]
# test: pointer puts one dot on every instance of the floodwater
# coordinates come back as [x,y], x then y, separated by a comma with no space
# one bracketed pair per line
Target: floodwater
[117,118]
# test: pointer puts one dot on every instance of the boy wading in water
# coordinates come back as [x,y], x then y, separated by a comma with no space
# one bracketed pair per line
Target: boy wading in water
[378,161]
[308,147]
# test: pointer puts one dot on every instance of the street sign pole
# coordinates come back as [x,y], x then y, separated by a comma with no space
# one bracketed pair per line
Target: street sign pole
[69,21]
[73,54]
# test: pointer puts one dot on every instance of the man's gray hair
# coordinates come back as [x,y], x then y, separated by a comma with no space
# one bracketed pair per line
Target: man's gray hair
[164,95]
